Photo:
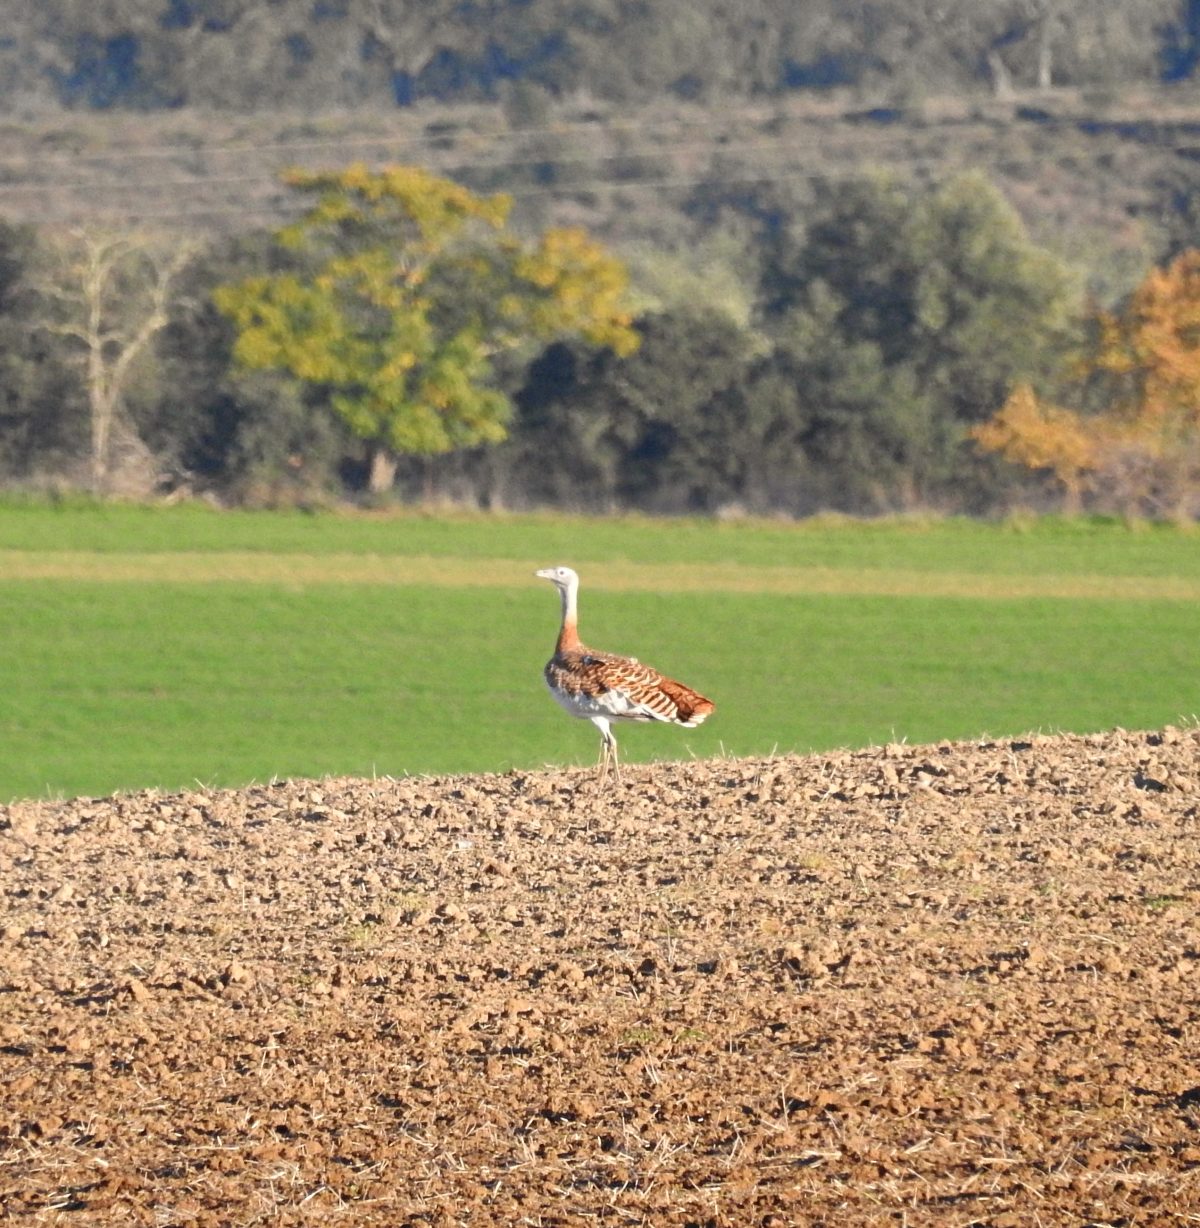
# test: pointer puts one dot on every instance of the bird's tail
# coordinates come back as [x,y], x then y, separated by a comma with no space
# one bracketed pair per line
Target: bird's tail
[691,708]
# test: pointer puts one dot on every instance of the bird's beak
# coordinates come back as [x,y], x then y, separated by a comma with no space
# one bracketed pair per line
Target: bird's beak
[544,574]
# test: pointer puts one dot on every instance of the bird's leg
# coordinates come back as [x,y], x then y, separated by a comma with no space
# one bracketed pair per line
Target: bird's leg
[608,755]
[608,750]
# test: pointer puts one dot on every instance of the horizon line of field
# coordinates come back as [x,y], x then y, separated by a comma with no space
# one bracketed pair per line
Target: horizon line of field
[301,570]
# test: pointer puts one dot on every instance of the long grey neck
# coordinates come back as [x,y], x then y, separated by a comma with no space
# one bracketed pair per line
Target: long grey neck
[568,636]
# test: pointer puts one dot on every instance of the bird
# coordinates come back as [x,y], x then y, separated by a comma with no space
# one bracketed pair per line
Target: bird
[603,687]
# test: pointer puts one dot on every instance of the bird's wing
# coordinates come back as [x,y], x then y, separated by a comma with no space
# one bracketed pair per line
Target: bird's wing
[643,692]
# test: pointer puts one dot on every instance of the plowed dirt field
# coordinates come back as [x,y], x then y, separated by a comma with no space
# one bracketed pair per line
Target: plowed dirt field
[940,985]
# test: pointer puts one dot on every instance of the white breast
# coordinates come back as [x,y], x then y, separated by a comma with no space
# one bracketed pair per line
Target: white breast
[616,705]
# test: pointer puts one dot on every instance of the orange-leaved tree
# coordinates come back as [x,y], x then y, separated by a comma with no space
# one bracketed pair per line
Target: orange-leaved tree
[1037,435]
[405,287]
[1143,448]
[1154,346]
[1152,349]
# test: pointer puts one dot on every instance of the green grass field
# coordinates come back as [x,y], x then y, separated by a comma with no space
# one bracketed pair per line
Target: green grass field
[161,647]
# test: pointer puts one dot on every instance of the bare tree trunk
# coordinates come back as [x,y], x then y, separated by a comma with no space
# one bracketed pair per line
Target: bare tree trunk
[1045,54]
[102,410]
[381,475]
[97,316]
[101,406]
[1072,494]
[1002,86]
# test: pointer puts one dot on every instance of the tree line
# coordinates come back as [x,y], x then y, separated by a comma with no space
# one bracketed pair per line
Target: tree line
[242,55]
[903,346]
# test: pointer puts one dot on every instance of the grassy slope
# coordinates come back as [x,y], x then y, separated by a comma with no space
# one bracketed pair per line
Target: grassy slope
[118,684]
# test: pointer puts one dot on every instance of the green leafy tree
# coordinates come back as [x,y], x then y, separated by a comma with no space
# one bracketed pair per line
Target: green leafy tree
[905,315]
[871,434]
[944,280]
[42,415]
[251,436]
[644,430]
[406,287]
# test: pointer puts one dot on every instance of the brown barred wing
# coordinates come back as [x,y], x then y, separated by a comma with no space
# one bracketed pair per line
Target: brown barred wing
[650,695]
[575,674]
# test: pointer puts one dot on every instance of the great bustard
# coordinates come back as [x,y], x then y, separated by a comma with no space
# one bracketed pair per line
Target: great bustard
[602,687]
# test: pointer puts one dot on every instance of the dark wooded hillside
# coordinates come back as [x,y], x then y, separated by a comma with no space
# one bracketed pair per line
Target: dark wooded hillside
[245,55]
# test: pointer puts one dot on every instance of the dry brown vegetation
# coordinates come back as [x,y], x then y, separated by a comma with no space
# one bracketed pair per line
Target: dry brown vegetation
[1078,167]
[257,567]
[940,985]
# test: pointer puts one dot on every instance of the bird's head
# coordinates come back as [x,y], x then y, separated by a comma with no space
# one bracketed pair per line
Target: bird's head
[561,577]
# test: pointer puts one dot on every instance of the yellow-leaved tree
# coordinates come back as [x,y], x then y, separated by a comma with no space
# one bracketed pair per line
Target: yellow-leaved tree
[1142,450]
[405,287]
